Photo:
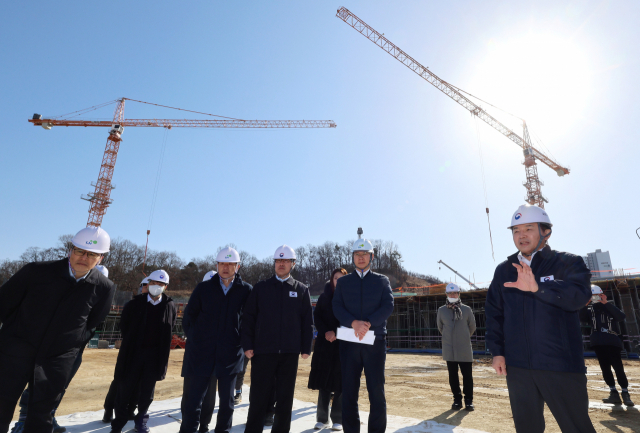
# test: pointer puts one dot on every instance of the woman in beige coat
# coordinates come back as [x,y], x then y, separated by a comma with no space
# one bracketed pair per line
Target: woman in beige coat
[456,323]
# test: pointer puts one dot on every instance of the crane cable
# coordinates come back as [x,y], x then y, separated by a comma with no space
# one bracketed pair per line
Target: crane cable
[484,184]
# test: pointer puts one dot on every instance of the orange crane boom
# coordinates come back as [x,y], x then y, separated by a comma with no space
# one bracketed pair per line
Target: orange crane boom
[100,199]
[534,196]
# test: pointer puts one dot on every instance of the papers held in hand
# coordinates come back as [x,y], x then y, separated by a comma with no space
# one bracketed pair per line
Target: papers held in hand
[348,334]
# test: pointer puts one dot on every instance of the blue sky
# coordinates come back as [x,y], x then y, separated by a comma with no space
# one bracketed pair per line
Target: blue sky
[403,162]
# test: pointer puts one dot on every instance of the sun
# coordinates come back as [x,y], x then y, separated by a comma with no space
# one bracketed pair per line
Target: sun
[543,79]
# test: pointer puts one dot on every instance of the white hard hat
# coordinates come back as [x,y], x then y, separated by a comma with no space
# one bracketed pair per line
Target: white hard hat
[596,290]
[209,275]
[362,245]
[284,252]
[159,275]
[452,287]
[528,214]
[228,255]
[93,239]
[145,280]
[103,270]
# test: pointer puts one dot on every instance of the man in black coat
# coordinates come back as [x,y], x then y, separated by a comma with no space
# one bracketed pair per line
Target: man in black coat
[363,301]
[212,323]
[605,341]
[146,324]
[533,328]
[48,310]
[276,328]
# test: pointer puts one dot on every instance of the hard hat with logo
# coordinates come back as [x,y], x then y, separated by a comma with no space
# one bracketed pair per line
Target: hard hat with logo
[228,255]
[452,287]
[144,281]
[284,252]
[362,245]
[93,239]
[529,214]
[209,275]
[596,290]
[160,276]
[103,270]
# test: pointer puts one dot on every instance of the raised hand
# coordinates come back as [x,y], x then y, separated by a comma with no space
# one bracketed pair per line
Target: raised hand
[526,280]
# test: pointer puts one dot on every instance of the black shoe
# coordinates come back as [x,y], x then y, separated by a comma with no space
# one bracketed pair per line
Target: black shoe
[203,429]
[614,397]
[468,405]
[269,420]
[457,405]
[237,399]
[108,416]
[132,416]
[627,399]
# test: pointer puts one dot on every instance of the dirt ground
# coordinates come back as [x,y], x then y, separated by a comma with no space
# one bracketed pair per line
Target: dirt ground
[416,386]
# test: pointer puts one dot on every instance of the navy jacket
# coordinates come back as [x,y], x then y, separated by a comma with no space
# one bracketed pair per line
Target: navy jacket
[132,326]
[278,318]
[541,330]
[212,323]
[47,318]
[369,299]
[603,319]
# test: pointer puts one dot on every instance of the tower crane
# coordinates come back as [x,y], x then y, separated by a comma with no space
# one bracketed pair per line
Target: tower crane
[531,154]
[100,199]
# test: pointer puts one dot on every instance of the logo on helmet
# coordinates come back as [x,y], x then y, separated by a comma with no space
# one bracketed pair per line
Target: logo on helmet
[228,256]
[91,242]
[518,216]
[281,254]
[361,246]
[161,276]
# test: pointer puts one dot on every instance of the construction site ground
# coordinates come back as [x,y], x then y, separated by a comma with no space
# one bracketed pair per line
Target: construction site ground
[416,387]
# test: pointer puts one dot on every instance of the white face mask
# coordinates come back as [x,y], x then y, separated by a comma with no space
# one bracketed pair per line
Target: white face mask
[452,300]
[155,290]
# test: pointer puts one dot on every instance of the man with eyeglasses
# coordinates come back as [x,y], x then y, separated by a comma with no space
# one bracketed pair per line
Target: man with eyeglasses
[277,327]
[212,323]
[363,301]
[146,325]
[48,310]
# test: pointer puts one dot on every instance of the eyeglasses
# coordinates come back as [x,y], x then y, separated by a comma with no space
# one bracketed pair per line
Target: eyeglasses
[361,254]
[78,252]
[284,261]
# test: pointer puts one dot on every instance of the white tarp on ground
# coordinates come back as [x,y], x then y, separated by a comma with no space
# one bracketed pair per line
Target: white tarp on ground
[303,420]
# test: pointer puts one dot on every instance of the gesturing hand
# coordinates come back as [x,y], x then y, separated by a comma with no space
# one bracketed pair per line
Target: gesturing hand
[526,280]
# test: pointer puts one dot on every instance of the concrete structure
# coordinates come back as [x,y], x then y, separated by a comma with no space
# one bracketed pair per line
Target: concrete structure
[599,263]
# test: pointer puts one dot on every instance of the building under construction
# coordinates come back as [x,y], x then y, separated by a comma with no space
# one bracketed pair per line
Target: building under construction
[413,326]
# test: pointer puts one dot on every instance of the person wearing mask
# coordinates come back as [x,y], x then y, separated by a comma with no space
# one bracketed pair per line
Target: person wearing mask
[363,301]
[533,327]
[605,341]
[277,327]
[110,399]
[212,322]
[457,323]
[325,374]
[146,324]
[44,328]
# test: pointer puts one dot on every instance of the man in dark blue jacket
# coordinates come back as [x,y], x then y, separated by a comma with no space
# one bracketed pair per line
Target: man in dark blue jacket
[276,328]
[533,328]
[363,301]
[212,323]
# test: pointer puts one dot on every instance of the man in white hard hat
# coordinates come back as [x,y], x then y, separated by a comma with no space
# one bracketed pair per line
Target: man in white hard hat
[363,301]
[211,323]
[533,327]
[277,327]
[209,275]
[603,317]
[44,328]
[144,286]
[457,323]
[146,324]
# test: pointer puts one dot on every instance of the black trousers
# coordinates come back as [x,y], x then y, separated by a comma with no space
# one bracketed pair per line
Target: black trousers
[138,377]
[467,380]
[324,400]
[354,357]
[110,399]
[193,403]
[39,418]
[565,395]
[609,356]
[265,368]
[240,377]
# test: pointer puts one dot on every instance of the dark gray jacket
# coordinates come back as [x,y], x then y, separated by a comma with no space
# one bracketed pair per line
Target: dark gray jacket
[456,334]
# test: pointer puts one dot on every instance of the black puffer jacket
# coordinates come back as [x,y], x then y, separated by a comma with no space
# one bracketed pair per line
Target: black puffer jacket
[47,317]
[277,318]
[325,364]
[603,319]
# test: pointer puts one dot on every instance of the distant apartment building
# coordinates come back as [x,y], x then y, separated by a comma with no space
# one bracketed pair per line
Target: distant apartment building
[599,263]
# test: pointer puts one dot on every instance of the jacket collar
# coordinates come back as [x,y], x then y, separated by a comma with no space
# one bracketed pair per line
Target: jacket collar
[544,253]
[290,281]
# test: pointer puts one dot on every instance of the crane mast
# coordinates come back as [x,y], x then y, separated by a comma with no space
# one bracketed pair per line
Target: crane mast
[533,184]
